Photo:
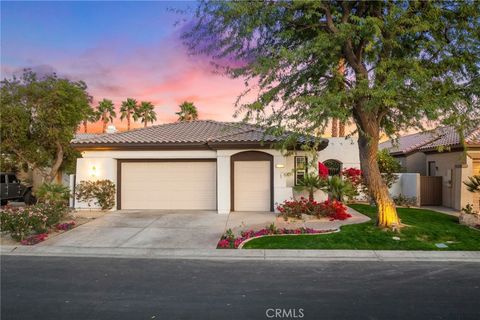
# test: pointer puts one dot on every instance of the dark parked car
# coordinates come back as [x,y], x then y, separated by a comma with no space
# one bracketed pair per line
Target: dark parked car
[11,189]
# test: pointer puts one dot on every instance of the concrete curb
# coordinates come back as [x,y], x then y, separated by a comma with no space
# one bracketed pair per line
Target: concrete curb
[252,254]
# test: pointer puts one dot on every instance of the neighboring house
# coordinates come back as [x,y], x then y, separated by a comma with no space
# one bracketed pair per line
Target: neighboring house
[439,152]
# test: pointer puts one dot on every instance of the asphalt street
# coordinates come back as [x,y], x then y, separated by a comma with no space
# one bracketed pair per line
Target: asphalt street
[108,288]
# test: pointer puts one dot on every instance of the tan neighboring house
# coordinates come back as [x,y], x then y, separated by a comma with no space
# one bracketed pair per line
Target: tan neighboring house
[439,152]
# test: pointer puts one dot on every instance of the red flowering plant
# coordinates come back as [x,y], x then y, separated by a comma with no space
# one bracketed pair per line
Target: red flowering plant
[335,210]
[65,226]
[322,170]
[355,177]
[32,240]
[229,241]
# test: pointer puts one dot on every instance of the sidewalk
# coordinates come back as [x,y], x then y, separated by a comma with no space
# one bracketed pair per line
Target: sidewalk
[257,254]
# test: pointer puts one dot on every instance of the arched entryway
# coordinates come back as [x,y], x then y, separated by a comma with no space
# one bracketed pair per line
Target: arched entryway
[251,179]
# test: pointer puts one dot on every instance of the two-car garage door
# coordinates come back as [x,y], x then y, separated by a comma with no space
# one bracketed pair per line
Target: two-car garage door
[184,185]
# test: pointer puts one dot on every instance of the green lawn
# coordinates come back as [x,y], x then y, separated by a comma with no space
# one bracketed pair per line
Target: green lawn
[425,229]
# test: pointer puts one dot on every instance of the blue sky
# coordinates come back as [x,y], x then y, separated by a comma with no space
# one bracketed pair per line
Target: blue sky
[120,49]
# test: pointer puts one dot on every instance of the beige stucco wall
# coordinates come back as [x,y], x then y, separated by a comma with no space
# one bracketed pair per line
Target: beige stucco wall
[105,163]
[415,163]
[449,167]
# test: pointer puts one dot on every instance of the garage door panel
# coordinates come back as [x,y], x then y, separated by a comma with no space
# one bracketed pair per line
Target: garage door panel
[252,185]
[169,185]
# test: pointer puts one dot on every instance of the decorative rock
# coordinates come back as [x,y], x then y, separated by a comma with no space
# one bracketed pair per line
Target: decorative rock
[441,245]
[396,238]
[470,220]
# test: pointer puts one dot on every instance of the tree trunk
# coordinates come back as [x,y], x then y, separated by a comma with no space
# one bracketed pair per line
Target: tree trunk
[145,124]
[128,122]
[334,127]
[341,129]
[368,147]
[85,122]
[56,164]
[104,129]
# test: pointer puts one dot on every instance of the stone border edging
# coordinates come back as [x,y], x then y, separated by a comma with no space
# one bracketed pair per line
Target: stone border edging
[281,235]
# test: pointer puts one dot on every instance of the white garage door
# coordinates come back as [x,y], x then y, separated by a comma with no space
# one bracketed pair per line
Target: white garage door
[169,185]
[252,186]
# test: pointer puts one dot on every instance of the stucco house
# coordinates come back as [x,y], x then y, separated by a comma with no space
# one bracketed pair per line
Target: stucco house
[439,152]
[201,165]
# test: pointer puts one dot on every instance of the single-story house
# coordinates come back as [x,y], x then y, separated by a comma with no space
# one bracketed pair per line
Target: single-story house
[197,165]
[439,152]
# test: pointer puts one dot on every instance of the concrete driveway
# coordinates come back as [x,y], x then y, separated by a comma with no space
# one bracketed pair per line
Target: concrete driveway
[147,229]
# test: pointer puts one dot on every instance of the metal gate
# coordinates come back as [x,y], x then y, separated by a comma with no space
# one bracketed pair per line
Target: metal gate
[430,191]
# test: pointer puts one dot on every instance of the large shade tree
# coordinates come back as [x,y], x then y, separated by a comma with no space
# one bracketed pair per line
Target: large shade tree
[39,118]
[405,62]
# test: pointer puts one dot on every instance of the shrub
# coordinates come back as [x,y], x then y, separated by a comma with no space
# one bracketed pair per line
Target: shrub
[389,167]
[468,209]
[100,191]
[54,211]
[404,201]
[354,176]
[310,183]
[65,226]
[53,193]
[295,208]
[339,189]
[34,239]
[20,222]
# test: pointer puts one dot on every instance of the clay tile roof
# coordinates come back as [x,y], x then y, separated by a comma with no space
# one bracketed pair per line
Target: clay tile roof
[431,140]
[193,132]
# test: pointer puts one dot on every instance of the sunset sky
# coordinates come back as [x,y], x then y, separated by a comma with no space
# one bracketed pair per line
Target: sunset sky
[120,49]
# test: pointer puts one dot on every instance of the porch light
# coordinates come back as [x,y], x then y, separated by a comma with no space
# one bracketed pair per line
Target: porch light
[93,171]
[280,165]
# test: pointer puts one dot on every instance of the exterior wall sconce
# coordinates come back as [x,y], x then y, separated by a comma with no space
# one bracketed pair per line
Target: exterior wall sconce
[93,171]
[280,165]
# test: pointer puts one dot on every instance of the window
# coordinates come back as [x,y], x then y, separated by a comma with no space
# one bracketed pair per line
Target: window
[300,169]
[12,179]
[2,178]
[334,167]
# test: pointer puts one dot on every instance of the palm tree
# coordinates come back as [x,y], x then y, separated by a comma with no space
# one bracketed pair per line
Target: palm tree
[473,184]
[310,183]
[146,112]
[129,110]
[188,112]
[92,116]
[106,110]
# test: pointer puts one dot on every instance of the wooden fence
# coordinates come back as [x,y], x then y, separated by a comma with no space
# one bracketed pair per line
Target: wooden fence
[430,191]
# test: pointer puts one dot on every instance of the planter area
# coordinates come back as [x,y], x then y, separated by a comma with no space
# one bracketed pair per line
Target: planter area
[229,241]
[30,225]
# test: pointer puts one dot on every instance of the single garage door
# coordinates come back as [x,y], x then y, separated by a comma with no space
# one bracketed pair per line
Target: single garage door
[169,185]
[252,186]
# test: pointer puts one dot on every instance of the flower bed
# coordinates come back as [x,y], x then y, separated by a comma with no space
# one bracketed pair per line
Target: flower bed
[335,210]
[229,241]
[29,225]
